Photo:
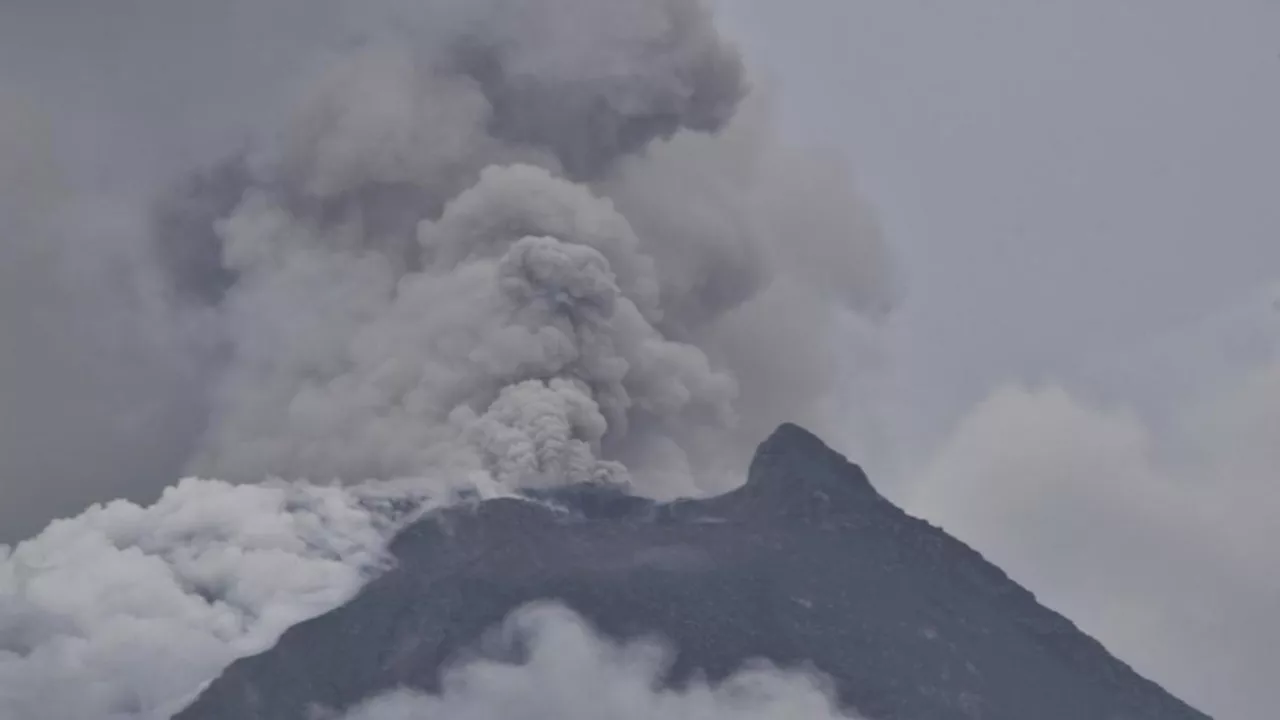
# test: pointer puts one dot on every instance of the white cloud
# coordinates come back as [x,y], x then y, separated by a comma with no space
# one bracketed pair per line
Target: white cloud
[123,612]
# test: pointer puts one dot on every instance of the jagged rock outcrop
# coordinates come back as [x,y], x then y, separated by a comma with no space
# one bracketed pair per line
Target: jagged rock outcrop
[804,564]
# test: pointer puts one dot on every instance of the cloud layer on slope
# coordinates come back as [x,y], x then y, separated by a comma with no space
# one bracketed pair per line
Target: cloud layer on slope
[563,656]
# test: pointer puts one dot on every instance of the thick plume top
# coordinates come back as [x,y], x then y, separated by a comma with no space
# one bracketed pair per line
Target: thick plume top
[590,81]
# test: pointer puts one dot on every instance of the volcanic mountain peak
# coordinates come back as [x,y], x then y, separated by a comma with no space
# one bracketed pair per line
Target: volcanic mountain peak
[805,565]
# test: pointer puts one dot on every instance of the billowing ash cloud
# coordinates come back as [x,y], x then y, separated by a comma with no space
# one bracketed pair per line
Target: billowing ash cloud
[533,246]
[528,336]
[572,673]
[483,244]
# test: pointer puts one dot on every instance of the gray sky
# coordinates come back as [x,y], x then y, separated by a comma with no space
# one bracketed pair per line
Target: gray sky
[1084,198]
[1063,179]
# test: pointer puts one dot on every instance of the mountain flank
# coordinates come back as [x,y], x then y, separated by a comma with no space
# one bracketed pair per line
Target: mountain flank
[805,565]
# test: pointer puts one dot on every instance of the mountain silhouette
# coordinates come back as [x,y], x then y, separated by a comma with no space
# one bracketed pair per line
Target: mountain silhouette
[804,565]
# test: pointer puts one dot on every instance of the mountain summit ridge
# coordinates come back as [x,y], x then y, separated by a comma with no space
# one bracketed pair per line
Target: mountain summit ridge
[806,564]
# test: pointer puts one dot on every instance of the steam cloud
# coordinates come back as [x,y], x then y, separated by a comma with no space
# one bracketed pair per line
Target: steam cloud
[488,244]
[124,611]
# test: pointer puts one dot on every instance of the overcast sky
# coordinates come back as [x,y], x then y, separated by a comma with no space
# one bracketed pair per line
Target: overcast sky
[1064,179]
[1084,196]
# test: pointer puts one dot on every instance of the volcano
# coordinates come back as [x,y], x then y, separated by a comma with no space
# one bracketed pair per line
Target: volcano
[805,565]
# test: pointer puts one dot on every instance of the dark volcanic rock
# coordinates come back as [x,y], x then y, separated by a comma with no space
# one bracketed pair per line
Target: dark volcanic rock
[805,564]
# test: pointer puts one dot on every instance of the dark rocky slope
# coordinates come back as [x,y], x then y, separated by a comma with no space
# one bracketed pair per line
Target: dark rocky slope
[805,563]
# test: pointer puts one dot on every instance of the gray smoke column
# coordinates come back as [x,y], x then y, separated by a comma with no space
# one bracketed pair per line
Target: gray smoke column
[528,243]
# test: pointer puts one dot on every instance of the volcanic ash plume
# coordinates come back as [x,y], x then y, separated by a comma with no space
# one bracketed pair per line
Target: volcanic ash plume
[464,258]
[494,245]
